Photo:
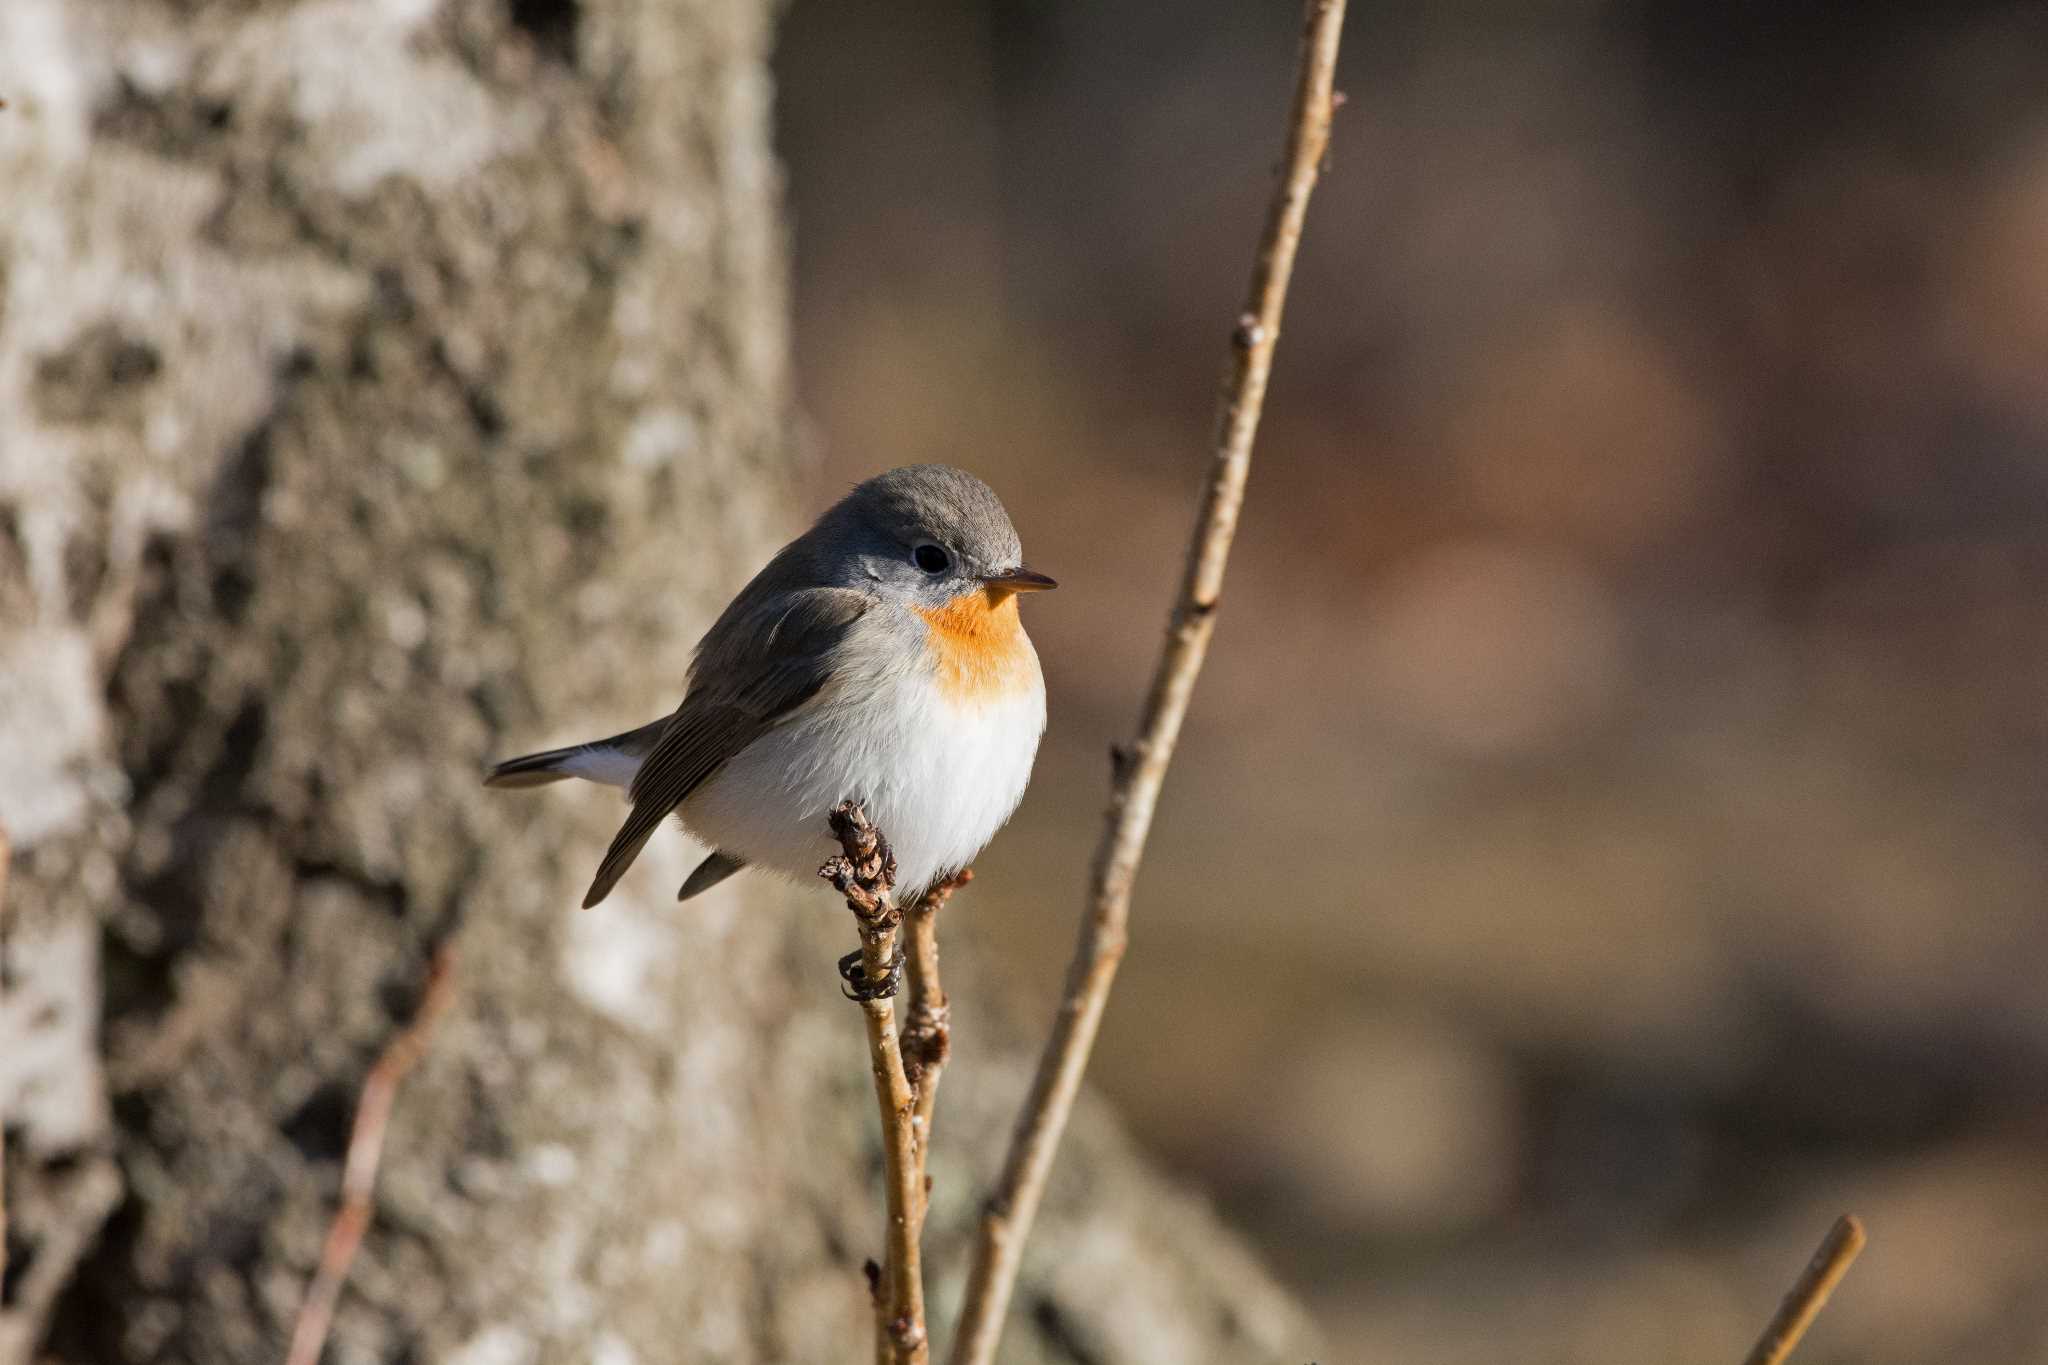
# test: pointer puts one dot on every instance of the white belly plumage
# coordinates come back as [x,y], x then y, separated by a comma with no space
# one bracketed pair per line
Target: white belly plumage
[938,777]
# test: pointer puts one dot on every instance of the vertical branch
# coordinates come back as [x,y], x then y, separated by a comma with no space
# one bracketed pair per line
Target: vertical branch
[1809,1294]
[865,874]
[1141,769]
[927,1027]
[365,1151]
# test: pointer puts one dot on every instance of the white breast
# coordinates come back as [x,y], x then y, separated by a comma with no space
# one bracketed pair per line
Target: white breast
[938,777]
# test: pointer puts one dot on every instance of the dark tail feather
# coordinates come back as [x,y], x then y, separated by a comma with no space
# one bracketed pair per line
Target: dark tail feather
[626,846]
[709,873]
[533,770]
[610,761]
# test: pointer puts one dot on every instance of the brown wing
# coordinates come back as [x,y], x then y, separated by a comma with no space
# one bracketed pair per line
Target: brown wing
[753,670]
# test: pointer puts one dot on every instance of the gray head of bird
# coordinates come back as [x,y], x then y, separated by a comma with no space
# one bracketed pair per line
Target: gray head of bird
[929,535]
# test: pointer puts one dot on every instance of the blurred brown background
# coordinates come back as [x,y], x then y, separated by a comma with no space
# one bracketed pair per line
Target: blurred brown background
[1608,838]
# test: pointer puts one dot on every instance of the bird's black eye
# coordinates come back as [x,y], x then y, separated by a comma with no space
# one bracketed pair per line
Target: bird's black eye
[931,558]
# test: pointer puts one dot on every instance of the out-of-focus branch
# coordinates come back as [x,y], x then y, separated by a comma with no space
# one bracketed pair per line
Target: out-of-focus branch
[1141,768]
[365,1150]
[927,1027]
[865,873]
[1809,1294]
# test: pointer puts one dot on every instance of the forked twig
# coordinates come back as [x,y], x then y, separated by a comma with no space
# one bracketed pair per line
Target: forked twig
[1140,769]
[927,1026]
[365,1150]
[1809,1294]
[865,873]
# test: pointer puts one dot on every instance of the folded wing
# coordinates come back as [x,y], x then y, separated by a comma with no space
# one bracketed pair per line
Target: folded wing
[760,664]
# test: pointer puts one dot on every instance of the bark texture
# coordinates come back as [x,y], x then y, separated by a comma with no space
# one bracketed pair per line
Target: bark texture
[386,385]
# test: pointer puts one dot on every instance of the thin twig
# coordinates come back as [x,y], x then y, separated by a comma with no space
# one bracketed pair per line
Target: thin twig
[1810,1293]
[6,854]
[365,1150]
[1141,768]
[865,874]
[927,1026]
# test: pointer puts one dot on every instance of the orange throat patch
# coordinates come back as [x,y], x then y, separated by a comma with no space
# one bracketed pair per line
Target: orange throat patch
[978,646]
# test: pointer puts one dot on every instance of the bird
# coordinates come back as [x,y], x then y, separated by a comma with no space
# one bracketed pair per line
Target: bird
[879,658]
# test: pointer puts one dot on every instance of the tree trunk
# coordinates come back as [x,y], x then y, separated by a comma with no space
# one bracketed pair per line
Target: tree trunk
[386,385]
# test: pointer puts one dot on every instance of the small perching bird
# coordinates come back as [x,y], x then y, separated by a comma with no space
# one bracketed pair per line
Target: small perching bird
[878,658]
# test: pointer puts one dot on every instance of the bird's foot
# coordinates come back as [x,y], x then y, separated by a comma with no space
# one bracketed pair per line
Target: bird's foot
[858,987]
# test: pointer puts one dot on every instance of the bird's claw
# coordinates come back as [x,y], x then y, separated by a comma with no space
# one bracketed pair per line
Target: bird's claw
[858,987]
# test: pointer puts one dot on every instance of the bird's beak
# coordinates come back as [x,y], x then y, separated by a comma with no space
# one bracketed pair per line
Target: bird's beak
[1017,580]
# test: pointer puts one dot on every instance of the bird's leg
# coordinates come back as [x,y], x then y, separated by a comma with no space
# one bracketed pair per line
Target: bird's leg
[865,873]
[855,975]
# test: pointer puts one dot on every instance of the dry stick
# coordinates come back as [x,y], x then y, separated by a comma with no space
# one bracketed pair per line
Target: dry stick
[927,1029]
[1810,1294]
[866,874]
[365,1149]
[1140,769]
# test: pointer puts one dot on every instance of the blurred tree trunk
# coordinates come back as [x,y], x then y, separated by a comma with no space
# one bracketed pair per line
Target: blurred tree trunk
[389,384]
